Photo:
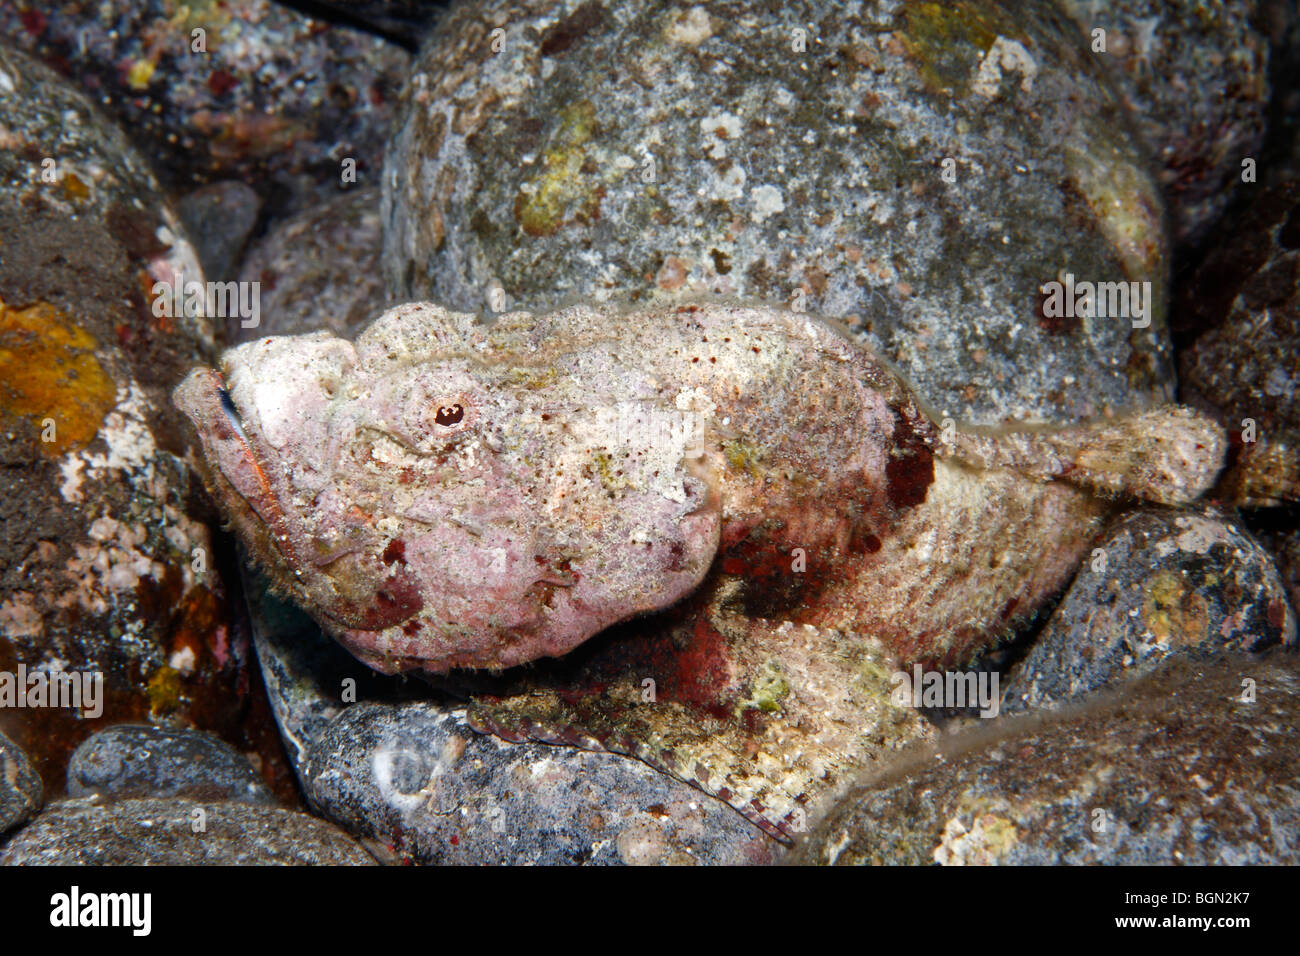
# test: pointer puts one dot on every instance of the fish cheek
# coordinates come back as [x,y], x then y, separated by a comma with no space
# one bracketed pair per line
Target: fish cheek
[362,593]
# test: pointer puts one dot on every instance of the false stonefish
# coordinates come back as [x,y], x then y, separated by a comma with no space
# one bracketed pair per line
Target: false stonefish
[446,494]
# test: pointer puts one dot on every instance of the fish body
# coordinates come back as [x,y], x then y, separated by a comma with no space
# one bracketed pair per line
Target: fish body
[446,494]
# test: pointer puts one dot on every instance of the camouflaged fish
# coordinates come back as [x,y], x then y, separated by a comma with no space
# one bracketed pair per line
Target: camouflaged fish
[445,494]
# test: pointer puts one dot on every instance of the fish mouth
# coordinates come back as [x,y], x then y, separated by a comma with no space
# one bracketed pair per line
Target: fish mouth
[204,399]
[233,418]
[232,467]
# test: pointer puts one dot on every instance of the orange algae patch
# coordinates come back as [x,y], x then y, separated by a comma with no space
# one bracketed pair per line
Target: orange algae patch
[49,373]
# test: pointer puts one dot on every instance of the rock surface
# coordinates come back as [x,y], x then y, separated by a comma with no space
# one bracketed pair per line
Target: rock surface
[319,269]
[220,217]
[178,833]
[142,761]
[416,777]
[20,787]
[1184,768]
[1245,364]
[107,564]
[1196,76]
[413,777]
[919,169]
[1162,582]
[273,98]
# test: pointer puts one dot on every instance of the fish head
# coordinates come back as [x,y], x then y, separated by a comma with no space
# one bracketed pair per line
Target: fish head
[442,495]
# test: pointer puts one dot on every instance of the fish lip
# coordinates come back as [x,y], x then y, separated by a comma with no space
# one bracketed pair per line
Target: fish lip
[203,398]
[233,415]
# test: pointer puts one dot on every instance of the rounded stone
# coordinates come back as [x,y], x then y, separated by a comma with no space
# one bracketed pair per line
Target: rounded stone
[138,760]
[220,217]
[1162,582]
[110,580]
[918,170]
[241,89]
[179,833]
[1245,364]
[413,777]
[1192,764]
[416,778]
[20,787]
[319,269]
[1196,76]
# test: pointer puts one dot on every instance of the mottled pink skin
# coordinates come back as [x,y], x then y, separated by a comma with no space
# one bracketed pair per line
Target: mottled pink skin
[448,495]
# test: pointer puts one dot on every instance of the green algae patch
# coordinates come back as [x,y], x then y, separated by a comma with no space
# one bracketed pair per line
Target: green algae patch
[164,691]
[1174,613]
[768,690]
[743,456]
[947,39]
[561,192]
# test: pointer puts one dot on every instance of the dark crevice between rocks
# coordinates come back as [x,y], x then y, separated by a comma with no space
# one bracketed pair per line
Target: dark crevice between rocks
[403,23]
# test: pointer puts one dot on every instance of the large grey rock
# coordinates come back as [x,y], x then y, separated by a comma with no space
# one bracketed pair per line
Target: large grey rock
[397,763]
[416,777]
[1196,763]
[919,169]
[178,833]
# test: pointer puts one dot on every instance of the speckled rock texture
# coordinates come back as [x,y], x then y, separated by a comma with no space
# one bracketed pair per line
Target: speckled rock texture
[1161,582]
[177,832]
[1196,76]
[140,760]
[418,778]
[918,169]
[107,563]
[275,99]
[1245,364]
[1193,764]
[399,766]
[20,787]
[319,270]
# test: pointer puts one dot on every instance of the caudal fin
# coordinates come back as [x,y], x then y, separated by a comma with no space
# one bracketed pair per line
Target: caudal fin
[1264,473]
[1168,455]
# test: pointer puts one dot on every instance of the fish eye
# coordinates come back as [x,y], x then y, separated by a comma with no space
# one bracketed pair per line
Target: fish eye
[449,415]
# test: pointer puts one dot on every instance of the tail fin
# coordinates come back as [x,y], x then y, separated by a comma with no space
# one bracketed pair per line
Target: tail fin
[1264,473]
[1168,455]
